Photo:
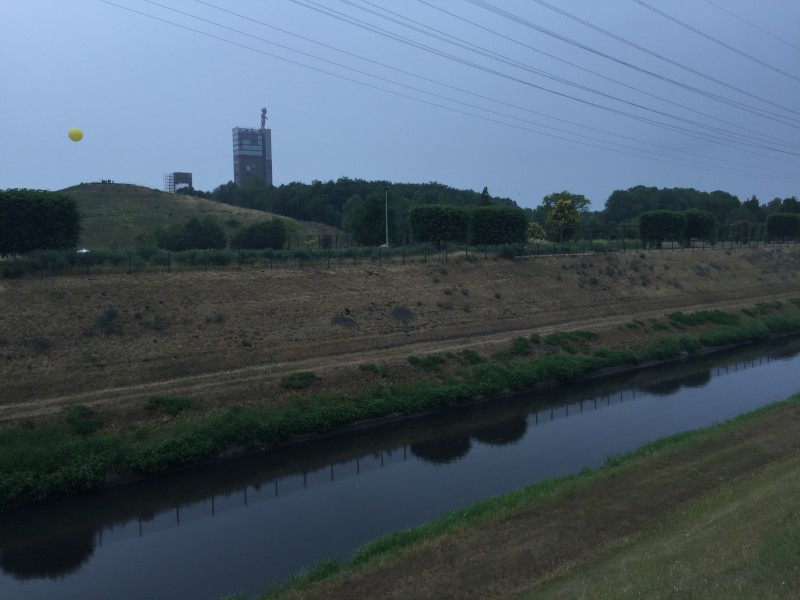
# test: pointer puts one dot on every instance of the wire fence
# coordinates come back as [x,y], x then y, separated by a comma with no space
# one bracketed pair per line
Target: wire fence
[330,251]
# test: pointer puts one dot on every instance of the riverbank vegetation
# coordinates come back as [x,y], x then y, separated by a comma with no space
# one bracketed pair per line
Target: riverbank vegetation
[79,451]
[711,513]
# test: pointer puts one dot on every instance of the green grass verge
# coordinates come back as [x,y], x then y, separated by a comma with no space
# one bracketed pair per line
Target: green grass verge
[39,461]
[501,508]
[741,543]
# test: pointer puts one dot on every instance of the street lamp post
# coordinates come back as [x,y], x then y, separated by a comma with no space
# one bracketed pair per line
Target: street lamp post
[386,213]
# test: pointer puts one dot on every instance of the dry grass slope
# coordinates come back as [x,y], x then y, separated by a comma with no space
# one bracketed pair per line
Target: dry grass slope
[115,213]
[229,337]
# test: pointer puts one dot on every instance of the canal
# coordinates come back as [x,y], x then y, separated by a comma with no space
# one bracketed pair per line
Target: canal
[244,524]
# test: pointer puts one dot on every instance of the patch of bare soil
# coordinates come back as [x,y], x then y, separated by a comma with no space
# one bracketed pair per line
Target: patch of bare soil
[512,557]
[228,337]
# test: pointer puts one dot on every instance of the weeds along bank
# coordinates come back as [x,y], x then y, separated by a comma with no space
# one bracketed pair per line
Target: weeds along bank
[708,513]
[136,374]
[80,450]
[86,338]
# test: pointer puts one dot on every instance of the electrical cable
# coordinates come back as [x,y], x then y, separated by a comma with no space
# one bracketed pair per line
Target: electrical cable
[655,54]
[753,25]
[369,27]
[461,90]
[716,41]
[638,90]
[526,23]
[673,161]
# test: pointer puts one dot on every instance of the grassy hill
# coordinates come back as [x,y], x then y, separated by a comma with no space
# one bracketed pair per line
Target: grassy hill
[114,213]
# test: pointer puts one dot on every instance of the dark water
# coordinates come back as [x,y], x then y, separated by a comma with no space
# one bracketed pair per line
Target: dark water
[244,524]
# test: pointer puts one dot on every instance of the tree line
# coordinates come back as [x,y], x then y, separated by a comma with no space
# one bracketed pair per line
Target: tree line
[324,202]
[372,211]
[209,234]
[37,220]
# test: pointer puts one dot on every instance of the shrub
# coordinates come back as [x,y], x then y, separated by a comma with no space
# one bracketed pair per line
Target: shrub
[471,357]
[168,404]
[664,348]
[344,321]
[430,361]
[299,380]
[506,251]
[702,317]
[82,420]
[41,344]
[107,321]
[265,234]
[371,368]
[402,314]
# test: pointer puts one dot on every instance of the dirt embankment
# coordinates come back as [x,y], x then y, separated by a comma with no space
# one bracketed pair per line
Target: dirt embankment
[224,337]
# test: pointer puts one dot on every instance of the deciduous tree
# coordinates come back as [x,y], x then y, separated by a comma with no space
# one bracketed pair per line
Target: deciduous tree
[261,235]
[498,225]
[37,220]
[437,223]
[563,219]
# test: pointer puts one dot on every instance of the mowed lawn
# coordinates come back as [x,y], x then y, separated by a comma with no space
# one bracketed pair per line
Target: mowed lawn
[741,542]
[707,514]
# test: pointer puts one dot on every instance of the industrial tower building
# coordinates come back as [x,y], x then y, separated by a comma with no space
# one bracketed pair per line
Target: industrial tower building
[176,181]
[252,153]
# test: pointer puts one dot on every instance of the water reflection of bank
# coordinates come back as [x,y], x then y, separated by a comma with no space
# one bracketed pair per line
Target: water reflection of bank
[57,538]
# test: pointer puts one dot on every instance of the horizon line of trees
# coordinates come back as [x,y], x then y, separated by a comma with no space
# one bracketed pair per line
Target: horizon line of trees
[329,202]
[324,202]
[35,219]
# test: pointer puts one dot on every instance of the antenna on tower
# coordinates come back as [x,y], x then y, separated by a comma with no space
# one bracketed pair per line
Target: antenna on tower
[263,117]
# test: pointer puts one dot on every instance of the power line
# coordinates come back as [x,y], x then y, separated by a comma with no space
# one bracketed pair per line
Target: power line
[635,152]
[503,13]
[514,63]
[461,90]
[753,25]
[716,41]
[405,40]
[654,54]
[620,83]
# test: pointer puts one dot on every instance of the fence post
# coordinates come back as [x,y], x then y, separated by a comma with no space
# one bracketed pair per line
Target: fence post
[130,262]
[169,262]
[205,260]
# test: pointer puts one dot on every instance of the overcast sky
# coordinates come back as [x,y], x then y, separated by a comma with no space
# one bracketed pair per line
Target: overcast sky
[526,97]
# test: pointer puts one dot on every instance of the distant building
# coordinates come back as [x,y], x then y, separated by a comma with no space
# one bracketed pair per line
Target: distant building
[252,153]
[176,181]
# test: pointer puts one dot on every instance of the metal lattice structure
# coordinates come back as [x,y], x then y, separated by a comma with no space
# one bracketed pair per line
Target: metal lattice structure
[176,181]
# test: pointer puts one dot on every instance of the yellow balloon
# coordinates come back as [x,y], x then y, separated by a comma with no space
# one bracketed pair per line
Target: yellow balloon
[75,134]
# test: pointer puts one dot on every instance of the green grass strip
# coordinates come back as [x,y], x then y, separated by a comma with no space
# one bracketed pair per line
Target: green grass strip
[499,508]
[37,462]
